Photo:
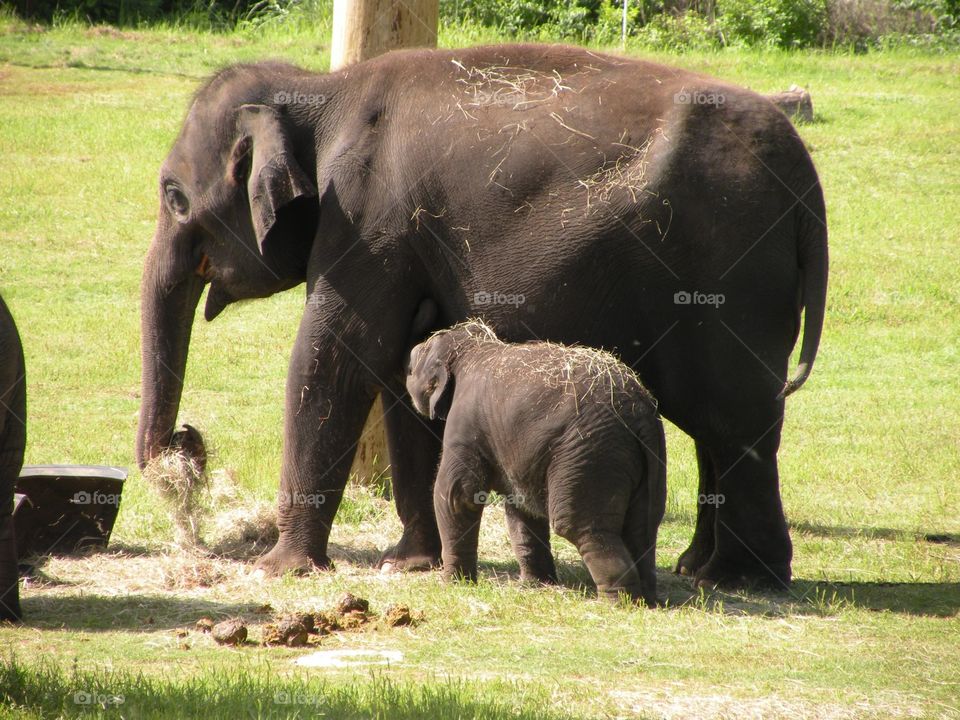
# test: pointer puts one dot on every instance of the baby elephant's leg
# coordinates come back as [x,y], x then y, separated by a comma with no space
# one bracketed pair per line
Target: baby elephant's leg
[590,514]
[530,538]
[610,563]
[458,514]
[640,537]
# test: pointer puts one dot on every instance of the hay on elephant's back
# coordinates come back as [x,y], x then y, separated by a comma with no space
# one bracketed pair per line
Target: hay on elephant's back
[580,369]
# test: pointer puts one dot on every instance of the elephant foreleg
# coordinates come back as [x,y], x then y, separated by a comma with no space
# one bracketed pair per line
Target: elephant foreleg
[13,439]
[327,404]
[458,516]
[9,582]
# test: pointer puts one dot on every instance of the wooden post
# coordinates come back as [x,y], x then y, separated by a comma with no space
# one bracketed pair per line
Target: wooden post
[363,29]
[796,103]
[372,459]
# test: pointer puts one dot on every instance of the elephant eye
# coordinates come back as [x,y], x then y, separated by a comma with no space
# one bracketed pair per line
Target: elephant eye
[176,202]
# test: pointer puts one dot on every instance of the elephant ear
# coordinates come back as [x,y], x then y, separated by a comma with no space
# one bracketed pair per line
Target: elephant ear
[274,178]
[440,397]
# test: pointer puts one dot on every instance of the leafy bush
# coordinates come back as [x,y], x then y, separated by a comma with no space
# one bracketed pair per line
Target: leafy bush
[860,24]
[678,33]
[132,11]
[674,25]
[779,23]
[514,17]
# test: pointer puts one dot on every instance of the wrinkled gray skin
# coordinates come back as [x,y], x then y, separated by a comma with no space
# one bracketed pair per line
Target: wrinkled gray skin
[568,446]
[595,188]
[13,439]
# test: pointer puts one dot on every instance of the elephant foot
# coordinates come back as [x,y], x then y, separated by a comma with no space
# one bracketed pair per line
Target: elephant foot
[531,575]
[416,562]
[282,560]
[729,575]
[694,558]
[10,612]
[534,580]
[409,555]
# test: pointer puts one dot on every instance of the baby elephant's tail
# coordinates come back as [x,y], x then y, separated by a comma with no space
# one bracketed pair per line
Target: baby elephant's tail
[651,497]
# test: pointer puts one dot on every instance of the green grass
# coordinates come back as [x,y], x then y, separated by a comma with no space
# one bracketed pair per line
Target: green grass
[251,690]
[870,455]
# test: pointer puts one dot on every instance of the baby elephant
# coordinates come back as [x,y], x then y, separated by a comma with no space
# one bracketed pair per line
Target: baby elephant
[567,434]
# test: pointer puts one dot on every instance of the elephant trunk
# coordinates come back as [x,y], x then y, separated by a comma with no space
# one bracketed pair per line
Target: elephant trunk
[169,293]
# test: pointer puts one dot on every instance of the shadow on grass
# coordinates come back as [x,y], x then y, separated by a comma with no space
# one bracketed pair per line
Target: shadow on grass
[136,613]
[823,598]
[804,597]
[259,692]
[877,533]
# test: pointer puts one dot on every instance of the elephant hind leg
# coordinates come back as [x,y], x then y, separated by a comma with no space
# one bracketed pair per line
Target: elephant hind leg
[640,538]
[611,564]
[591,515]
[752,540]
[530,538]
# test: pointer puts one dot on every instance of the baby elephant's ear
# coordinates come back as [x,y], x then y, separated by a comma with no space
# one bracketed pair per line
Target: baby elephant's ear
[441,392]
[264,152]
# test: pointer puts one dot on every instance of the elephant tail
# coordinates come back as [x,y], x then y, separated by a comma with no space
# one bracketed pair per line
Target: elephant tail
[813,260]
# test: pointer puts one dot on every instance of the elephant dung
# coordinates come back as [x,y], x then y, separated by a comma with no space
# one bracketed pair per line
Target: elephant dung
[353,619]
[290,631]
[326,622]
[349,603]
[229,632]
[398,615]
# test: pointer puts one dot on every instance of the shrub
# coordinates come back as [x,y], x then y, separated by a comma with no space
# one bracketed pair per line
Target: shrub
[678,33]
[778,23]
[861,23]
[132,11]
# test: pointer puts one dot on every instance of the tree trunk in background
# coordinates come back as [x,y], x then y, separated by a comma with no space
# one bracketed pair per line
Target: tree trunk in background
[363,29]
[372,460]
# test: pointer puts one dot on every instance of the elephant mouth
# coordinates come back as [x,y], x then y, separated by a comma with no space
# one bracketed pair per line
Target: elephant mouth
[217,300]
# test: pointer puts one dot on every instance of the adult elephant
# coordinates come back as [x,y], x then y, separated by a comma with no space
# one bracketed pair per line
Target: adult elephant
[13,439]
[558,193]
